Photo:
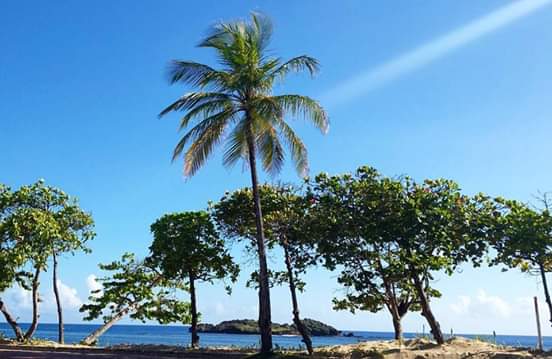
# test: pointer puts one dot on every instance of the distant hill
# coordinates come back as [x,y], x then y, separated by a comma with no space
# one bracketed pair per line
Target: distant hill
[250,326]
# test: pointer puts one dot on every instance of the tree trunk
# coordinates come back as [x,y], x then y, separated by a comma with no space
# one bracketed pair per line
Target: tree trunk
[58,299]
[545,288]
[265,325]
[12,322]
[195,337]
[426,310]
[34,324]
[93,337]
[296,319]
[397,326]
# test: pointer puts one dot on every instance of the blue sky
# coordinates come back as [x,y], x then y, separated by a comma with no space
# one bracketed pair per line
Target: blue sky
[82,83]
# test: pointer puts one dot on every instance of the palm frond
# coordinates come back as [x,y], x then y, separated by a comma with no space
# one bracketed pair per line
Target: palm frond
[203,146]
[296,64]
[236,147]
[192,99]
[268,146]
[204,110]
[297,149]
[260,30]
[305,107]
[196,74]
[195,134]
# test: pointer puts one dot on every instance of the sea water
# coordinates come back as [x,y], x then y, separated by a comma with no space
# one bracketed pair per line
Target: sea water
[179,335]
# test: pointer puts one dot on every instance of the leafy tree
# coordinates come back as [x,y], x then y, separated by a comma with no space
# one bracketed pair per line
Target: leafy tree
[135,289]
[357,221]
[524,240]
[186,247]
[235,104]
[391,235]
[285,218]
[12,259]
[43,221]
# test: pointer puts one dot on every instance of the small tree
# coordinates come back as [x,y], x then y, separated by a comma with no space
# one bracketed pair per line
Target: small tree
[393,234]
[357,221]
[524,240]
[135,289]
[12,259]
[286,226]
[42,221]
[186,247]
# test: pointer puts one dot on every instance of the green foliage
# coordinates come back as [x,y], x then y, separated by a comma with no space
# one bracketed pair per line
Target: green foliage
[523,236]
[235,103]
[36,221]
[381,231]
[285,218]
[186,245]
[138,289]
[249,326]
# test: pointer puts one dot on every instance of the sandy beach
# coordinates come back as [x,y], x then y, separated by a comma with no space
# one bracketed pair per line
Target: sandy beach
[455,348]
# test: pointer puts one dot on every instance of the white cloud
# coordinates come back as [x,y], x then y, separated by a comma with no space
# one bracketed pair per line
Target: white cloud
[462,306]
[92,284]
[430,51]
[498,306]
[483,304]
[18,297]
[69,296]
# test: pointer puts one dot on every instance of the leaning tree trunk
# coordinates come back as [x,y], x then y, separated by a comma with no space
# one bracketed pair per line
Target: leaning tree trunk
[545,288]
[265,325]
[195,337]
[426,310]
[12,322]
[93,337]
[296,319]
[34,323]
[58,299]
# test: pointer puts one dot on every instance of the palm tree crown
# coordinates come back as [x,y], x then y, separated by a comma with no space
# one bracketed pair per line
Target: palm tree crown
[235,104]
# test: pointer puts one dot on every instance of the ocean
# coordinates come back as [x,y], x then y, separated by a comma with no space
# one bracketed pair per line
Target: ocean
[178,335]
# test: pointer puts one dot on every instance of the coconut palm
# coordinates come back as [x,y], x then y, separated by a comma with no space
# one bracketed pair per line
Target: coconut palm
[235,106]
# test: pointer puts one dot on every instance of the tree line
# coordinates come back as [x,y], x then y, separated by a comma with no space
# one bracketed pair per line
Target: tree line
[386,238]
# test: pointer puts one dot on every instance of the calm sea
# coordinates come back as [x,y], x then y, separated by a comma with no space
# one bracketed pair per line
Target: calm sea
[178,335]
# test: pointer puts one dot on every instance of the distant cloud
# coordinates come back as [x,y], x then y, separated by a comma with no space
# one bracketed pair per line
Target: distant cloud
[17,297]
[430,51]
[68,295]
[484,305]
[92,284]
[496,305]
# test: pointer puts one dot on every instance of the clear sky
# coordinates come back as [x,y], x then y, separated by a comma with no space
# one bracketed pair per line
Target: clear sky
[432,88]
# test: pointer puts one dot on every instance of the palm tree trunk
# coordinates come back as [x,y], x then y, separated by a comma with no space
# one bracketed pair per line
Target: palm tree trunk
[12,322]
[58,299]
[93,337]
[265,325]
[545,288]
[296,319]
[426,310]
[195,337]
[34,323]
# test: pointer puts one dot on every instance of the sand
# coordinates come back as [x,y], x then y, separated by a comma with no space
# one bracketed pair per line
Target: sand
[409,349]
[422,348]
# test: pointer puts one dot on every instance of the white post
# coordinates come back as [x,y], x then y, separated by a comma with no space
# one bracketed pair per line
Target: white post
[539,342]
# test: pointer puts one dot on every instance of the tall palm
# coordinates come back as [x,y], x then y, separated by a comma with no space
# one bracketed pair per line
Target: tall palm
[235,105]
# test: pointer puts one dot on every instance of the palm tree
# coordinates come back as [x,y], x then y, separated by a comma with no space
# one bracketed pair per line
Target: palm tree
[235,105]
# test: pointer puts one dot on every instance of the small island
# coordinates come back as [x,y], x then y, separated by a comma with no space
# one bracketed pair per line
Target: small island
[250,326]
